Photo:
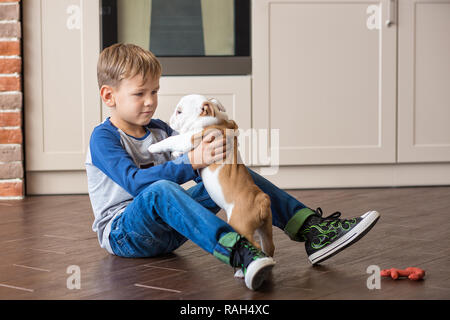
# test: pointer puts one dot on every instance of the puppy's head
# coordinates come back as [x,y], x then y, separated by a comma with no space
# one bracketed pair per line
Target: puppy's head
[196,111]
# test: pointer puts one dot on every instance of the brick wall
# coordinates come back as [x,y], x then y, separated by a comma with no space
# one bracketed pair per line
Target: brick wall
[11,137]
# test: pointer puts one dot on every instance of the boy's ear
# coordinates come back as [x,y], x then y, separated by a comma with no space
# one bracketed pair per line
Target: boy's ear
[107,95]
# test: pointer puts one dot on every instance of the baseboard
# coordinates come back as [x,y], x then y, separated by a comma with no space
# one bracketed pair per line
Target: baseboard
[290,177]
[56,182]
[358,176]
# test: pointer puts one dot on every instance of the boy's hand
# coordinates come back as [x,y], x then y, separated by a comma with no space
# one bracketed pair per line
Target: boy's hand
[213,147]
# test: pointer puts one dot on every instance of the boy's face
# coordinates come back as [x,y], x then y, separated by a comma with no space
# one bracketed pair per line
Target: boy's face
[133,102]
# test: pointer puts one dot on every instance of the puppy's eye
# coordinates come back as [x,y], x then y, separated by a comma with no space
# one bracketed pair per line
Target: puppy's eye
[178,111]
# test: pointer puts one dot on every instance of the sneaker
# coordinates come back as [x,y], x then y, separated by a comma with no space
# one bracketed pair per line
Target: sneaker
[324,237]
[254,263]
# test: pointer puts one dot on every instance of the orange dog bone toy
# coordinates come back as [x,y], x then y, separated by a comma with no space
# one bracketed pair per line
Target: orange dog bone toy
[412,273]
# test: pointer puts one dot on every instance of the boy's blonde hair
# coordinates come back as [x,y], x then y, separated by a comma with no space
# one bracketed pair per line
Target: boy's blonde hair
[121,61]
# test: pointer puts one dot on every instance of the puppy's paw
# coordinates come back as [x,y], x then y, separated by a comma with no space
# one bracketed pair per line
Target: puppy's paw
[154,148]
[239,274]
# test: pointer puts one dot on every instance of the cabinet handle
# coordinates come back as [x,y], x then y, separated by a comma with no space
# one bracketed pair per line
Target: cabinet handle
[391,9]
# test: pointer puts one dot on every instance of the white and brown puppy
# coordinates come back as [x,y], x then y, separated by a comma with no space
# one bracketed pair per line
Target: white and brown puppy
[228,182]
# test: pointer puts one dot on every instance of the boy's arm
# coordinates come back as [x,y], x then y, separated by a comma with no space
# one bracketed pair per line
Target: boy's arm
[112,159]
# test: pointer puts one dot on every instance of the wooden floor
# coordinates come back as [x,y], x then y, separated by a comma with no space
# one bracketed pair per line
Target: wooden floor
[41,236]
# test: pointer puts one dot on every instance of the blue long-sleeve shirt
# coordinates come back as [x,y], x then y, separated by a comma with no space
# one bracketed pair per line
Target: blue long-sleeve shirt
[119,167]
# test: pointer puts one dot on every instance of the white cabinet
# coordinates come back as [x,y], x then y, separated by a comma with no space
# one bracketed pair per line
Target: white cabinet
[349,100]
[62,105]
[424,81]
[61,48]
[326,74]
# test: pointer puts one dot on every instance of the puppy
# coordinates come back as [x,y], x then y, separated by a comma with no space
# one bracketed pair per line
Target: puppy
[228,182]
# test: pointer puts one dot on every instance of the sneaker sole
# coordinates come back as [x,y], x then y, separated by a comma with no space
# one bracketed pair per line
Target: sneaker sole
[257,272]
[369,219]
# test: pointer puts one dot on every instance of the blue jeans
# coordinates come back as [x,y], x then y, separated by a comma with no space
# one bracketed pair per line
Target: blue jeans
[165,215]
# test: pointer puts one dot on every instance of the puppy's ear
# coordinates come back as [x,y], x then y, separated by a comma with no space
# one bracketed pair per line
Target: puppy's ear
[207,110]
[218,104]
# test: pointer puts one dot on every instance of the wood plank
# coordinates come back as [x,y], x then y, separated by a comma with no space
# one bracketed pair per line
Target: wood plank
[41,236]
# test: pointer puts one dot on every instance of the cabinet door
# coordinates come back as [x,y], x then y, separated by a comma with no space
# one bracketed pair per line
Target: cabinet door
[62,105]
[424,81]
[324,81]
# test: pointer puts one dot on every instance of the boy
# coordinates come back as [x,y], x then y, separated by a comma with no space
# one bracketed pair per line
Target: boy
[139,206]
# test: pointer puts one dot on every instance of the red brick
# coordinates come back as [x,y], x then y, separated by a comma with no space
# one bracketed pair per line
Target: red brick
[11,170]
[11,101]
[10,12]
[10,84]
[10,153]
[13,65]
[10,48]
[10,136]
[10,119]
[11,189]
[10,30]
